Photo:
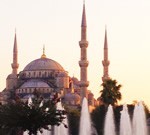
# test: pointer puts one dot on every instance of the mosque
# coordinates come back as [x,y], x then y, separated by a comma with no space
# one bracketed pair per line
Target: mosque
[48,77]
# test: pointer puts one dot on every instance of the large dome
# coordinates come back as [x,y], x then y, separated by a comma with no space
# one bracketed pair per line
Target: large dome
[43,64]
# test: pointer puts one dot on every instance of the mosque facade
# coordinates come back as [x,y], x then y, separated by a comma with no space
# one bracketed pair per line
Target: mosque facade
[48,77]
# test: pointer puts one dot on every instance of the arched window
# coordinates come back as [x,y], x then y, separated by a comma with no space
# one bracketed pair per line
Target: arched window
[34,74]
[39,74]
[29,74]
[45,74]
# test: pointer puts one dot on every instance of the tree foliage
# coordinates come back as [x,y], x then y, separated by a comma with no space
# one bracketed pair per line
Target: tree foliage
[110,94]
[98,117]
[37,115]
[73,120]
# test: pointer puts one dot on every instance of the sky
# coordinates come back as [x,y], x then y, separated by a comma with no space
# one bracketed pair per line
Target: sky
[57,25]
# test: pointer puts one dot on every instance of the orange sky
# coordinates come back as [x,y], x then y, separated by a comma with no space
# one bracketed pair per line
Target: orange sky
[57,25]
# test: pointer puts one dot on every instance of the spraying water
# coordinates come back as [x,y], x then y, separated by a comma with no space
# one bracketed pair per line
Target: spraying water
[61,130]
[125,123]
[109,127]
[85,122]
[139,120]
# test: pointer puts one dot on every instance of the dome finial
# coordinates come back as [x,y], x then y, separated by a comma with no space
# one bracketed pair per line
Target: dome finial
[43,55]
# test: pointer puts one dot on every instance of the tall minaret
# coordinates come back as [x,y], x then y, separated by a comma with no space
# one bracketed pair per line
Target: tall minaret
[11,81]
[83,63]
[15,64]
[105,62]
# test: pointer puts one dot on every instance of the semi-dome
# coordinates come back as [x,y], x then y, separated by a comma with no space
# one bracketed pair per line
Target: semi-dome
[43,64]
[72,97]
[35,84]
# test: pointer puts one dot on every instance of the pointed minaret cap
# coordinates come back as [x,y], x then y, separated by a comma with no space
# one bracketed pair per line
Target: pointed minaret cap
[15,43]
[83,16]
[15,64]
[43,55]
[105,42]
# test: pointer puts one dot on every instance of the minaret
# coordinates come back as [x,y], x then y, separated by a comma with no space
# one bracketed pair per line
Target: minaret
[105,62]
[15,64]
[11,80]
[83,63]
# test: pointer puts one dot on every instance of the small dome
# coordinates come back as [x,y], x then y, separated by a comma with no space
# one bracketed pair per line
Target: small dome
[76,97]
[43,64]
[72,97]
[62,74]
[11,76]
[35,84]
[75,81]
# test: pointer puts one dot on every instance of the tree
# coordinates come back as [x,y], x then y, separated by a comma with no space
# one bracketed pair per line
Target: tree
[98,118]
[74,121]
[110,94]
[32,116]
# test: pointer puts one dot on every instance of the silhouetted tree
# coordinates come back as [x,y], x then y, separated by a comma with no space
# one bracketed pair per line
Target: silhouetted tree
[98,117]
[34,116]
[110,94]
[73,120]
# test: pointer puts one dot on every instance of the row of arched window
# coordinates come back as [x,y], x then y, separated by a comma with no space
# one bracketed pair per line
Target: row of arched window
[31,90]
[35,74]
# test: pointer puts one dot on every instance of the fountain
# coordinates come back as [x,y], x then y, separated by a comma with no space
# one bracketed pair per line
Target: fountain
[138,126]
[109,127]
[85,122]
[61,130]
[125,122]
[139,120]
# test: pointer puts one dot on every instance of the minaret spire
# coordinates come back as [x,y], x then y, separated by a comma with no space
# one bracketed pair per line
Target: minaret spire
[83,63]
[83,16]
[15,64]
[105,62]
[105,40]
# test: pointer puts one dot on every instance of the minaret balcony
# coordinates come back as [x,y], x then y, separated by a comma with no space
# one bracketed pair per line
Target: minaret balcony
[105,63]
[83,43]
[84,83]
[83,63]
[15,65]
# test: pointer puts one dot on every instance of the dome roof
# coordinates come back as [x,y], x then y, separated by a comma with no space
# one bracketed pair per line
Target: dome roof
[72,96]
[62,74]
[43,64]
[75,79]
[35,84]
